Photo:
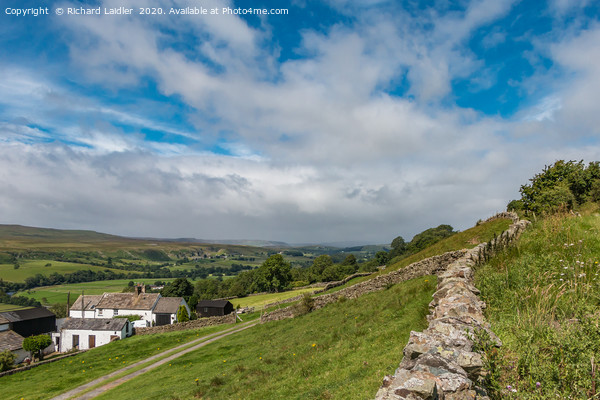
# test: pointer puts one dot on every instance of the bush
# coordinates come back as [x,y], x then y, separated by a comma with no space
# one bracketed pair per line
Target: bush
[306,305]
[7,359]
[35,344]
[182,314]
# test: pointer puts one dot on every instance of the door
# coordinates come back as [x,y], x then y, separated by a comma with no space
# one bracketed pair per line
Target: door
[75,341]
[91,341]
[163,319]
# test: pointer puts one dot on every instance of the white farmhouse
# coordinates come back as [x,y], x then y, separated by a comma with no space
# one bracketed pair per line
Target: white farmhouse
[84,306]
[84,334]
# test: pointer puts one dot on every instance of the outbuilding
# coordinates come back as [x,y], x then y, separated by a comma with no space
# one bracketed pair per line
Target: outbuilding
[213,308]
[165,312]
[30,321]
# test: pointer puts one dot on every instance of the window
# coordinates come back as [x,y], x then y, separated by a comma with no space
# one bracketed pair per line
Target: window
[115,312]
[100,312]
[75,341]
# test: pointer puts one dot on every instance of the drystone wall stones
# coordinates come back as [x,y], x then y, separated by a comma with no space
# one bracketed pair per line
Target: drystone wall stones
[439,363]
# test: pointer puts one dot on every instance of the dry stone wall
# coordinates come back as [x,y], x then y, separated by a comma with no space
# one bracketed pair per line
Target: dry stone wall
[182,326]
[439,363]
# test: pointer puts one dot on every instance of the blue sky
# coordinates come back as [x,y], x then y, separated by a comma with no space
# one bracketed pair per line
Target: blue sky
[340,121]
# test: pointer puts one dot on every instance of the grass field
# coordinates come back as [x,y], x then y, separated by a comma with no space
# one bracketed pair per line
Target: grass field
[543,302]
[341,351]
[11,307]
[58,293]
[31,267]
[262,299]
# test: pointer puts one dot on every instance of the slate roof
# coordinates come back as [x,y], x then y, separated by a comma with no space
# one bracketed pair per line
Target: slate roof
[11,341]
[128,301]
[212,303]
[95,324]
[3,320]
[27,314]
[91,301]
[168,305]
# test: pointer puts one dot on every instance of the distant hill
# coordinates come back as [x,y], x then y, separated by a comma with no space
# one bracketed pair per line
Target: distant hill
[240,242]
[19,232]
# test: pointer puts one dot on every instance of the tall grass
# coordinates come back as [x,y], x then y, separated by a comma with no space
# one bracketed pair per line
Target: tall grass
[544,304]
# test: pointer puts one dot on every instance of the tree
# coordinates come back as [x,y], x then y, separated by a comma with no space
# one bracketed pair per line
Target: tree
[399,247]
[59,309]
[7,359]
[428,237]
[273,275]
[382,257]
[35,344]
[315,272]
[349,260]
[182,314]
[547,191]
[180,287]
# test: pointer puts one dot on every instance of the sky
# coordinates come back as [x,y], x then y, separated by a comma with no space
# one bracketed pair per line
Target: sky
[319,122]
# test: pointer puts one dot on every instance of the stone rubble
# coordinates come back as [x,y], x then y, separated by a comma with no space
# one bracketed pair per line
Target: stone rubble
[439,363]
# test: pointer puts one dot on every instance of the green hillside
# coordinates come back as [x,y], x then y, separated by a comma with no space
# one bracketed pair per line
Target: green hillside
[341,351]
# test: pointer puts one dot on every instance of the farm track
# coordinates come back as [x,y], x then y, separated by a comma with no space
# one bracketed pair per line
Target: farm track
[186,348]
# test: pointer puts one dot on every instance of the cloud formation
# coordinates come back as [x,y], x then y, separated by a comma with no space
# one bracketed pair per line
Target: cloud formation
[191,127]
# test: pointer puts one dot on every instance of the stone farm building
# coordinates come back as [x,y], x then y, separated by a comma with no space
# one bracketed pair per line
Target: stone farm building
[212,308]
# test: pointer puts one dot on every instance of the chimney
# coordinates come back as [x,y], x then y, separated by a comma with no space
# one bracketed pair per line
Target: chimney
[138,289]
[143,288]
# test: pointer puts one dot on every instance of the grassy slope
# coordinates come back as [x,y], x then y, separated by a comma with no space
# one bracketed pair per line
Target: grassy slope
[462,240]
[262,299]
[341,351]
[543,302]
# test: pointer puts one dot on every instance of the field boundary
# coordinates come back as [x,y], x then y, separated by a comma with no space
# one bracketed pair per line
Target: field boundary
[441,362]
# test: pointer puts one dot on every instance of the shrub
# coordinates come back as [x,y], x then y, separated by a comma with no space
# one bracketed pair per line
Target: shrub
[306,305]
[7,359]
[182,314]
[35,344]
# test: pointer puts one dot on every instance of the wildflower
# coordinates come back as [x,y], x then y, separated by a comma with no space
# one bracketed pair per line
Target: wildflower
[314,344]
[83,361]
[260,358]
[538,385]
[224,360]
[582,275]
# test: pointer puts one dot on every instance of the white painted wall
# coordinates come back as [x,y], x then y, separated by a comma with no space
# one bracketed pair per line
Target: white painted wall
[102,338]
[77,313]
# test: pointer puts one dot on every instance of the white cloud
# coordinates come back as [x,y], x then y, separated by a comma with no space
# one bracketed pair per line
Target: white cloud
[320,151]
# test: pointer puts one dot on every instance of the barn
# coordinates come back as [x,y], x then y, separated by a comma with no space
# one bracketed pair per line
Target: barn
[31,321]
[213,308]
